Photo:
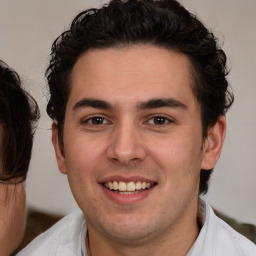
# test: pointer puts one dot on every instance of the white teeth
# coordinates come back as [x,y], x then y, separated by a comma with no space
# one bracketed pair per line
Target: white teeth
[122,186]
[115,185]
[127,188]
[130,186]
[138,185]
[110,185]
[128,193]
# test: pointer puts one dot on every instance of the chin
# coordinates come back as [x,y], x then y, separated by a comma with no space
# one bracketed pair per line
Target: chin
[131,230]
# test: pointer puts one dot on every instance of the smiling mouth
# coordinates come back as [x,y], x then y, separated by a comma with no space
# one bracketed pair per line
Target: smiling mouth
[128,188]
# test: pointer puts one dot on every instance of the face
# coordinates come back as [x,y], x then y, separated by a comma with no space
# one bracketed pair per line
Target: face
[12,213]
[133,146]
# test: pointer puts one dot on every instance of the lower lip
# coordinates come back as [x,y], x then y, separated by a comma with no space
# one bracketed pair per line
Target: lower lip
[127,199]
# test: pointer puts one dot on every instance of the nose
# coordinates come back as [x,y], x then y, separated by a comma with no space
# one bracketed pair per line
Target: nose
[126,146]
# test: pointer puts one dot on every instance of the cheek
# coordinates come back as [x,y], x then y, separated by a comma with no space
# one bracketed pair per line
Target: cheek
[178,156]
[84,158]
[12,216]
[83,153]
[174,149]
[81,158]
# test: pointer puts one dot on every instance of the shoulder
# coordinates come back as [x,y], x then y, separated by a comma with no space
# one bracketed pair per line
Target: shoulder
[232,240]
[62,234]
[224,239]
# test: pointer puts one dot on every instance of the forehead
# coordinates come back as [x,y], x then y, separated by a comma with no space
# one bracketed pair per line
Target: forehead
[132,73]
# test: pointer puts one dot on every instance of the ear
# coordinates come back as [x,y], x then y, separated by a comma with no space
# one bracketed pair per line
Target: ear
[58,149]
[213,144]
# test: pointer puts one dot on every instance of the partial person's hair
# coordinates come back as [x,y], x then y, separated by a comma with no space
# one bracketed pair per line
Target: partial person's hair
[162,23]
[18,115]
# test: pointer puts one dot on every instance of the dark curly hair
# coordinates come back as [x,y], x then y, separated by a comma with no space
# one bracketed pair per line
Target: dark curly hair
[18,115]
[162,23]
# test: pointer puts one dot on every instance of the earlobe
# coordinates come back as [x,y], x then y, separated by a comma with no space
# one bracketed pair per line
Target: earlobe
[213,144]
[57,147]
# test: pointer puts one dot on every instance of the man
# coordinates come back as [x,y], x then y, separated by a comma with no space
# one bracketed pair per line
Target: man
[138,94]
[18,115]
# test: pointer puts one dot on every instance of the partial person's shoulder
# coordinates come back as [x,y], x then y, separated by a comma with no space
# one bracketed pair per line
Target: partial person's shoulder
[218,238]
[233,241]
[60,238]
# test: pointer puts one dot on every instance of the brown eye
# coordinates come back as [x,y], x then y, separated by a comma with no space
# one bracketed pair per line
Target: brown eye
[160,120]
[97,120]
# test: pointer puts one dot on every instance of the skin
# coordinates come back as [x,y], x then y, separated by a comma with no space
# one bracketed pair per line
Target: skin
[129,142]
[12,213]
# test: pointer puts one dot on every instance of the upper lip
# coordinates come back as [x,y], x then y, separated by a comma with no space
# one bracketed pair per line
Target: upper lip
[126,179]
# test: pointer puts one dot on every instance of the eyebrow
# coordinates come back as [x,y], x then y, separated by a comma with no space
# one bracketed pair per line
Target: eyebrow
[160,103]
[150,104]
[93,103]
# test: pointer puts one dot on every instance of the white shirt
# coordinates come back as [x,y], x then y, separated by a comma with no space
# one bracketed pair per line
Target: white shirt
[67,238]
[217,238]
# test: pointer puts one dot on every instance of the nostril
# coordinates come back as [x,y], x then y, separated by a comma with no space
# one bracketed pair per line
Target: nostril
[126,155]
